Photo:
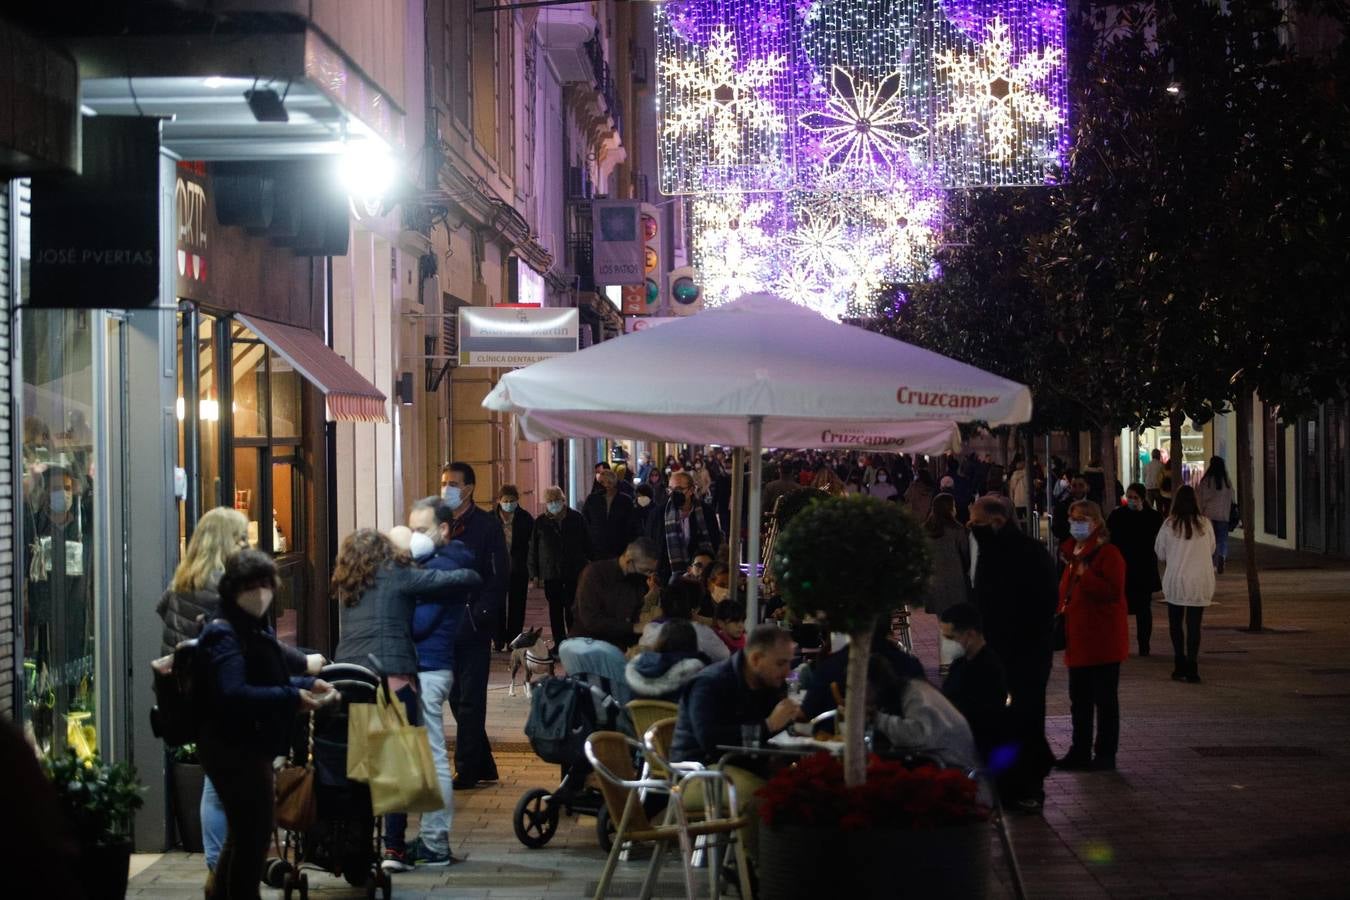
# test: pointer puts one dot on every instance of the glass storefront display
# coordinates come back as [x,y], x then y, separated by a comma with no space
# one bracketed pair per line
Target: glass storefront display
[1195,451]
[60,491]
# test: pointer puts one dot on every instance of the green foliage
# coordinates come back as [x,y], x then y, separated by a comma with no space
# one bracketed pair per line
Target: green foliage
[186,754]
[851,558]
[794,502]
[98,799]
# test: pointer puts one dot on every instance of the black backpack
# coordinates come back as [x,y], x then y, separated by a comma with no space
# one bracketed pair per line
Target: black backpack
[564,711]
[175,717]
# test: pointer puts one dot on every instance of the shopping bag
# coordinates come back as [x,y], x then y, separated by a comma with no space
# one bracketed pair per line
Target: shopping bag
[364,720]
[402,773]
[297,806]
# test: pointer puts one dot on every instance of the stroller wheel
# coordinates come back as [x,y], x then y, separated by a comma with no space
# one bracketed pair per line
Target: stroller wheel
[536,818]
[605,829]
[276,872]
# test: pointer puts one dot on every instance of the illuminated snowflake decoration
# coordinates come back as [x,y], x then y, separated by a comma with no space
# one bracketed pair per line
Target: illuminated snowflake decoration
[723,99]
[988,87]
[863,125]
[819,245]
[735,244]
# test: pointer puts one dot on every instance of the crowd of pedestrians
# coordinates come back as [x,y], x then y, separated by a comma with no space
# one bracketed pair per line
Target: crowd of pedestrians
[637,585]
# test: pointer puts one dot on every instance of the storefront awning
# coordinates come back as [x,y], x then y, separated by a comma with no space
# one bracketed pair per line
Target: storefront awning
[351,398]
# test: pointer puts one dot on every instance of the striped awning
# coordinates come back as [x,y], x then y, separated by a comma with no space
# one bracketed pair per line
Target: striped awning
[350,397]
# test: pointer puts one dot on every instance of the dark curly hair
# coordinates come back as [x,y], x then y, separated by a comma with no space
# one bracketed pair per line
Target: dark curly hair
[244,571]
[362,554]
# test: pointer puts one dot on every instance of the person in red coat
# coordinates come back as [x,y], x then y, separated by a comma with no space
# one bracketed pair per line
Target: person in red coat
[1097,640]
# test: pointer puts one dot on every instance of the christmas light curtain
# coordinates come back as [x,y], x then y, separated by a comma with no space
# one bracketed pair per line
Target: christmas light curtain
[819,137]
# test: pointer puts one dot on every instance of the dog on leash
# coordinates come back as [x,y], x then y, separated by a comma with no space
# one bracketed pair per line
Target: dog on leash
[530,653]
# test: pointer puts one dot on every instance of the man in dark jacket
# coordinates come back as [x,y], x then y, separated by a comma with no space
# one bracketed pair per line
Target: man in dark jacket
[1059,517]
[473,644]
[682,527]
[517,528]
[834,669]
[608,516]
[609,595]
[1016,594]
[976,683]
[435,629]
[747,689]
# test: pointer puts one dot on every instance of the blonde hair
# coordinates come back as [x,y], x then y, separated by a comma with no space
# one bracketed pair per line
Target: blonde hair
[553,492]
[216,538]
[1093,511]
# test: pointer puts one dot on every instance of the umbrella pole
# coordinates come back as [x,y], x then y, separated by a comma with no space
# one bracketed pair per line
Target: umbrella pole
[756,485]
[734,526]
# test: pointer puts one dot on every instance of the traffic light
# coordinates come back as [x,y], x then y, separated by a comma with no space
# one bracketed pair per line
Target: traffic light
[644,299]
[686,294]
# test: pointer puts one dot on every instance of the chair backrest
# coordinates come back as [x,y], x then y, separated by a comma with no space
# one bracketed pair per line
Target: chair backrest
[613,751]
[658,738]
[646,713]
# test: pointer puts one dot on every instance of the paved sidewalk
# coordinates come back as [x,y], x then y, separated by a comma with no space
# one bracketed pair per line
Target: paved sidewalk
[1237,787]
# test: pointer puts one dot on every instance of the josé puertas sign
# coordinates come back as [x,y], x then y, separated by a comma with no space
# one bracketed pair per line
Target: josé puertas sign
[514,337]
[95,237]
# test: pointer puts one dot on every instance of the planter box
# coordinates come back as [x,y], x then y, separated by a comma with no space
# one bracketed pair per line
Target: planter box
[188,779]
[878,864]
[104,870]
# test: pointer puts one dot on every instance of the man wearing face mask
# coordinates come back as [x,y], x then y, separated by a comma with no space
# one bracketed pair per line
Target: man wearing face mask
[683,527]
[483,536]
[249,703]
[559,550]
[608,515]
[976,683]
[610,593]
[1016,592]
[517,529]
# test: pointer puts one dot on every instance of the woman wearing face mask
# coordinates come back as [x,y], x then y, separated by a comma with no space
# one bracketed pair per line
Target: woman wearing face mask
[250,700]
[1134,527]
[882,488]
[1096,627]
[518,526]
[1186,546]
[188,605]
[559,550]
[643,503]
[379,590]
[949,547]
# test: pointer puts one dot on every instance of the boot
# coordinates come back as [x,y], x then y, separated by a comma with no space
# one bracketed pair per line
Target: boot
[1180,668]
[1192,671]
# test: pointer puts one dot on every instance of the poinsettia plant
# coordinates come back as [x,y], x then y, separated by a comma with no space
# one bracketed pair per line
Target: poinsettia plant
[813,792]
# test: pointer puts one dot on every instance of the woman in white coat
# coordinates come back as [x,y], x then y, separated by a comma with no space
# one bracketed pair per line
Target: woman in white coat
[1185,544]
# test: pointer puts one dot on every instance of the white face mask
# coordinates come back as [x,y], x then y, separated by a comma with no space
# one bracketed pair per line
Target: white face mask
[952,650]
[421,547]
[255,602]
[644,501]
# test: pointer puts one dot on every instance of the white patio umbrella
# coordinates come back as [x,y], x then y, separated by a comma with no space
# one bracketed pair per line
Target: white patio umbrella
[757,372]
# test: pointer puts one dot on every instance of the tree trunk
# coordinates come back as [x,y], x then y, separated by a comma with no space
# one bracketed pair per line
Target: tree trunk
[855,714]
[1247,506]
[1109,469]
[1175,454]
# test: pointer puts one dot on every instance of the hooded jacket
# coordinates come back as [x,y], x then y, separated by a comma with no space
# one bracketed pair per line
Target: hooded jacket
[662,676]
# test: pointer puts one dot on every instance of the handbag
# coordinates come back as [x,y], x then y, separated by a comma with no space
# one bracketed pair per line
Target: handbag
[1234,516]
[297,806]
[393,757]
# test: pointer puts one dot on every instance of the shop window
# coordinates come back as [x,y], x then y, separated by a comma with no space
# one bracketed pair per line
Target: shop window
[59,494]
[1273,462]
[285,398]
[249,387]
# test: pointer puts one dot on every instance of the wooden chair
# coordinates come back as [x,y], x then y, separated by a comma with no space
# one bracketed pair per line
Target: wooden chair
[611,754]
[646,713]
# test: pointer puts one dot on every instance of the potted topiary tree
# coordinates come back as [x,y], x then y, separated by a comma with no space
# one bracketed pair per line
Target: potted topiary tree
[826,826]
[852,559]
[99,800]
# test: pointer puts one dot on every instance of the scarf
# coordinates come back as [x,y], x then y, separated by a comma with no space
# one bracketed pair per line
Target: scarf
[676,549]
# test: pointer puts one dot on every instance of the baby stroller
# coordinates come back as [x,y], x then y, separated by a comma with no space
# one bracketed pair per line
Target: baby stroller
[345,839]
[564,711]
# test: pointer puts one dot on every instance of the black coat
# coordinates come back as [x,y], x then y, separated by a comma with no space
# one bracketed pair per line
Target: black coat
[1017,593]
[559,551]
[714,707]
[610,525]
[1133,533]
[522,530]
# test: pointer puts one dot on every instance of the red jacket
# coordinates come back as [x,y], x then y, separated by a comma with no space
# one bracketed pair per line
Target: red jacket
[1096,623]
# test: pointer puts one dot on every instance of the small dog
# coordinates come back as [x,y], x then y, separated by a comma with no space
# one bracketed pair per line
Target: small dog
[530,652]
